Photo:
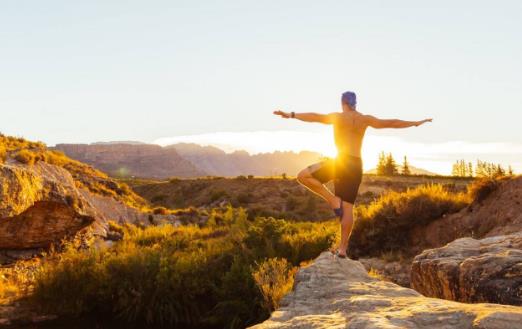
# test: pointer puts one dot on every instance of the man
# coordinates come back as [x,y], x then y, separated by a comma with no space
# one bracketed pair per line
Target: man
[346,170]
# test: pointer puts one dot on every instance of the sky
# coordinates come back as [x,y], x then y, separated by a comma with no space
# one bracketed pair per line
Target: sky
[213,71]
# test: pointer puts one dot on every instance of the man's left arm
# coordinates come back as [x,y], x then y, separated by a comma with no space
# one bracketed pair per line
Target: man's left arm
[308,117]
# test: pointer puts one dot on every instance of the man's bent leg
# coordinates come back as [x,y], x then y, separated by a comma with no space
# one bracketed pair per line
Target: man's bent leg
[306,179]
[346,226]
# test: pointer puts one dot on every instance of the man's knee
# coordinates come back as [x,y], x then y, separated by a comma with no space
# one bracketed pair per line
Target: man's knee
[303,175]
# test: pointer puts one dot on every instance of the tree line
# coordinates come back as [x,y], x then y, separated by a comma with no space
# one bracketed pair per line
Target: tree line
[387,166]
[461,168]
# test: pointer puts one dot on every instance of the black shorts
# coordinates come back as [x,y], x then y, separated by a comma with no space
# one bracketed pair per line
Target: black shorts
[346,173]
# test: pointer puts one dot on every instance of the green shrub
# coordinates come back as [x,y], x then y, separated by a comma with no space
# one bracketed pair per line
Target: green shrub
[186,277]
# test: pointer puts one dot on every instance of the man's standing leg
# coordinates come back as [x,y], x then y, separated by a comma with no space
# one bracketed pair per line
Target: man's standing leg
[346,227]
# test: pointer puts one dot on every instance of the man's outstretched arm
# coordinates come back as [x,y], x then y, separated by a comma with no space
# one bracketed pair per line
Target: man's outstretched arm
[392,123]
[308,117]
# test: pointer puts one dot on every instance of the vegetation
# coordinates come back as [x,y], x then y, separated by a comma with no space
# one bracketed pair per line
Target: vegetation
[386,166]
[384,224]
[482,169]
[228,274]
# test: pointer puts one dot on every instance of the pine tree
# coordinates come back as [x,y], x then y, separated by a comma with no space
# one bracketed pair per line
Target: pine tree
[510,171]
[390,166]
[381,164]
[406,167]
[470,169]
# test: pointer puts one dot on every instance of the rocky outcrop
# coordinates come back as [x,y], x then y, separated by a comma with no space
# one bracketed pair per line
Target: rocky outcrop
[338,293]
[41,204]
[126,160]
[469,270]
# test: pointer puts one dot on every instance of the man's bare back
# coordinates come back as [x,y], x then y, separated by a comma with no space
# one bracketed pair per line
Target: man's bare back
[349,129]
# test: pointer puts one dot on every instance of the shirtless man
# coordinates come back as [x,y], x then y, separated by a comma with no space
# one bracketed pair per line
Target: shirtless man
[346,169]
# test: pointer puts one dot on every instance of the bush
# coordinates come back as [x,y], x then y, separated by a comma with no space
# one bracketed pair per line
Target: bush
[274,278]
[384,224]
[25,157]
[160,211]
[480,189]
[3,153]
[186,277]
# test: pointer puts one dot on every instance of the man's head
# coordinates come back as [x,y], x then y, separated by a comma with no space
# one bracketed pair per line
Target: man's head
[349,100]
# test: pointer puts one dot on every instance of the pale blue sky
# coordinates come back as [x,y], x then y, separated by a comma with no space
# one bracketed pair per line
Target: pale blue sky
[88,71]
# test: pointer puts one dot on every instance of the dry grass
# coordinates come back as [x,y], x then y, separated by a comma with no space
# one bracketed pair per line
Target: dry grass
[383,225]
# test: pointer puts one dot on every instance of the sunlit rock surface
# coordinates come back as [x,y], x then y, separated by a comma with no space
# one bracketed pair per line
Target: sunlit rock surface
[338,293]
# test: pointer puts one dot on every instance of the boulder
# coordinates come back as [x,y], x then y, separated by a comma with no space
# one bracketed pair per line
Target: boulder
[469,270]
[338,293]
[41,204]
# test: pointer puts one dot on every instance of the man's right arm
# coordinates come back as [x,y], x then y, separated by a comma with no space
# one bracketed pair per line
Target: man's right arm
[392,123]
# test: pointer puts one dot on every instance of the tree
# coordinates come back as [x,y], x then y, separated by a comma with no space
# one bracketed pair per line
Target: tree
[381,164]
[406,167]
[390,166]
[510,171]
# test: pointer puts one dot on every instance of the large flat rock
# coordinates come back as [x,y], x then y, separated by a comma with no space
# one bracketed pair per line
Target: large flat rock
[338,293]
[469,270]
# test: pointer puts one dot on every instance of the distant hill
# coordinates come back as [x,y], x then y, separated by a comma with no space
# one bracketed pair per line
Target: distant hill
[217,162]
[125,160]
[414,171]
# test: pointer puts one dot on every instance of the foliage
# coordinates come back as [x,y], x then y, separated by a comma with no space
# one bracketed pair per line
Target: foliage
[384,224]
[386,166]
[274,277]
[482,170]
[185,276]
[480,189]
[405,170]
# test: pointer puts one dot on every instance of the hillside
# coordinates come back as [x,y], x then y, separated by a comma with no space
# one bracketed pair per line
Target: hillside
[127,160]
[281,198]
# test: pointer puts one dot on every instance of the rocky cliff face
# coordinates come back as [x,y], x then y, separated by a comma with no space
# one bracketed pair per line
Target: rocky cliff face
[42,203]
[469,270]
[125,160]
[338,293]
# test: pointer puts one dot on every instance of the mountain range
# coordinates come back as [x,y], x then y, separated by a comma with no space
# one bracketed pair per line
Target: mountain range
[188,160]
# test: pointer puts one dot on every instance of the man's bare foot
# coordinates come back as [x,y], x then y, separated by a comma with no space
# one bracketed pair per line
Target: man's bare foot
[337,252]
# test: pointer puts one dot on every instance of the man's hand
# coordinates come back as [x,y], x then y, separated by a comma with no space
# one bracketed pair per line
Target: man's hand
[422,122]
[282,114]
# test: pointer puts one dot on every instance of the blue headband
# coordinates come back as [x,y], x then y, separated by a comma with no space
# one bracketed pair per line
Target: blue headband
[349,98]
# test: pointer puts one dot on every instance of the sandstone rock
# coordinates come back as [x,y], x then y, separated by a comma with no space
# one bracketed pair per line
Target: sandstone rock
[41,204]
[338,293]
[469,270]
